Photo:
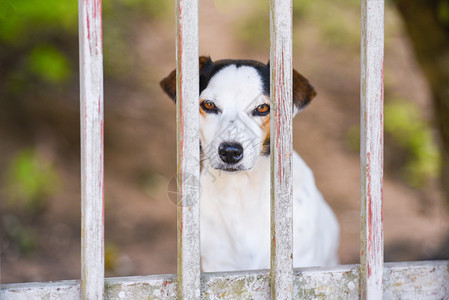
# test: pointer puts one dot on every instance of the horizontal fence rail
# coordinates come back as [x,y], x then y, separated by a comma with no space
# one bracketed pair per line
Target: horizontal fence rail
[407,280]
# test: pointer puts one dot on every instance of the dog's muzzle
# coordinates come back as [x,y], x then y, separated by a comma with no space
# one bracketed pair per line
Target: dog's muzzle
[230,153]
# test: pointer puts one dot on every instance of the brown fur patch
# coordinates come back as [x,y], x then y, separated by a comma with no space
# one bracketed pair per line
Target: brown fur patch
[202,112]
[168,84]
[303,91]
[204,60]
[266,141]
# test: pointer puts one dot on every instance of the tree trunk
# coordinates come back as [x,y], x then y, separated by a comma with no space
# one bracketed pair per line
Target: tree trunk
[427,24]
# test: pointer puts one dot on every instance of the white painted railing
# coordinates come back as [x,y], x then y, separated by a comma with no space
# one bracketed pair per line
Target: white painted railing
[92,149]
[371,147]
[373,280]
[281,140]
[187,86]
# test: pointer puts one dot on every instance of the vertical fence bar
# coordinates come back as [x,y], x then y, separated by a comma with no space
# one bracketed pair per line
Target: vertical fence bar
[281,150]
[371,151]
[188,150]
[92,175]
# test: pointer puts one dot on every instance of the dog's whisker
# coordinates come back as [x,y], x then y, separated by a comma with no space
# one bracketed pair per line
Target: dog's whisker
[257,144]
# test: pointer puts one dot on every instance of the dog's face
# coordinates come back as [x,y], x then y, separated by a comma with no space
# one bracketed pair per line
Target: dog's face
[234,107]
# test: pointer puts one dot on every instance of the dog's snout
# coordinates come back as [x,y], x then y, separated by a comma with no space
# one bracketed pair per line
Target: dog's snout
[230,153]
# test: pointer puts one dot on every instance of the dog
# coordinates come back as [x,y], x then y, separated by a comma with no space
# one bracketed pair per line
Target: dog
[234,107]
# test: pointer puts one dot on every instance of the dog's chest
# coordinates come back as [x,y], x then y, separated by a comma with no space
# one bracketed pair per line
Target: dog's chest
[235,220]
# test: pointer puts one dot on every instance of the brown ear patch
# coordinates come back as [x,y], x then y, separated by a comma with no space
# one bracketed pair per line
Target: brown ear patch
[303,91]
[204,60]
[168,84]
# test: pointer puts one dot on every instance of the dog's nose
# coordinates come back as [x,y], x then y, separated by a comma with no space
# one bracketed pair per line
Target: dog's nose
[230,153]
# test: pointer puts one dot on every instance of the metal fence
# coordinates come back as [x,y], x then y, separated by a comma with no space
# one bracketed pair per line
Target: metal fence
[371,279]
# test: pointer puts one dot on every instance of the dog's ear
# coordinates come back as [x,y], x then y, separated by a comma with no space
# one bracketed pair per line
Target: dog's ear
[204,61]
[303,91]
[168,84]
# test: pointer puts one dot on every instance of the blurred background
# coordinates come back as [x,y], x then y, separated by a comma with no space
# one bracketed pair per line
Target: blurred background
[40,134]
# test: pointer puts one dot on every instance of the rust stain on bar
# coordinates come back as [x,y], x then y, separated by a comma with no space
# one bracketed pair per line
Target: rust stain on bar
[281,150]
[92,149]
[371,153]
[188,279]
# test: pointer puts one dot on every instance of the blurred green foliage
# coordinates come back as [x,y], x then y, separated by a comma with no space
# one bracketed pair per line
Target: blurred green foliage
[111,256]
[39,40]
[443,12]
[152,9]
[120,20]
[37,47]
[49,63]
[39,61]
[411,139]
[38,76]
[337,23]
[352,138]
[21,19]
[30,180]
[23,238]
[414,135]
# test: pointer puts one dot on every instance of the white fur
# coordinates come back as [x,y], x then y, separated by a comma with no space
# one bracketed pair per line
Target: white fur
[235,206]
[236,92]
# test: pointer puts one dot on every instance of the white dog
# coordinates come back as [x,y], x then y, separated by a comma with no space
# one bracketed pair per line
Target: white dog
[234,110]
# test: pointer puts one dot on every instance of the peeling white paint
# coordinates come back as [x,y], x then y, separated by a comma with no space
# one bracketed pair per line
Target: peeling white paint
[281,150]
[407,280]
[92,149]
[187,85]
[371,148]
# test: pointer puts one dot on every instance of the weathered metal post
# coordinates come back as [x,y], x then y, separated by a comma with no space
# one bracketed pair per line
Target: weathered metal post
[92,175]
[281,150]
[187,91]
[371,150]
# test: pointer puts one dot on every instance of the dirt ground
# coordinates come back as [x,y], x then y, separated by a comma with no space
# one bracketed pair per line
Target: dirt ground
[140,160]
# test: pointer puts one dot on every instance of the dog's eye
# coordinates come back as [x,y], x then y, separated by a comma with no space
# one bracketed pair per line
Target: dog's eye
[209,106]
[262,110]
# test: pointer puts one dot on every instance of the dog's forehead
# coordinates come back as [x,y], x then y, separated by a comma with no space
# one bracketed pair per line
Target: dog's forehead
[235,85]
